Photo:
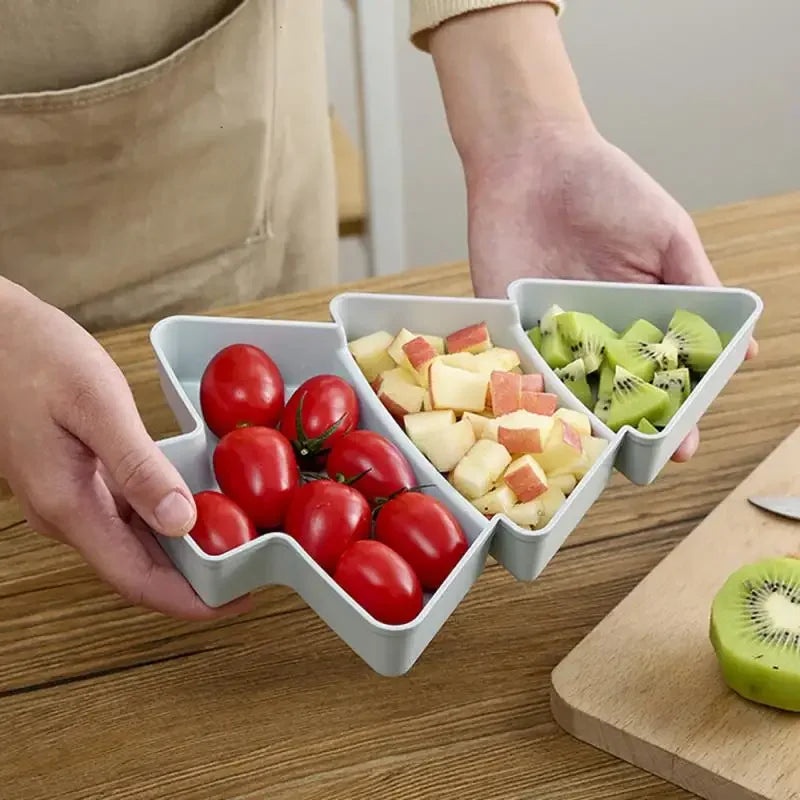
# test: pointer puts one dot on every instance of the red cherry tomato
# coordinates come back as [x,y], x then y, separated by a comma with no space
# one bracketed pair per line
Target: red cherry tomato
[383,467]
[325,517]
[256,468]
[425,533]
[380,581]
[221,525]
[329,412]
[241,386]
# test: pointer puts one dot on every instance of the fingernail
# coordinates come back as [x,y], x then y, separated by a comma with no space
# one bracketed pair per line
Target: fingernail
[175,514]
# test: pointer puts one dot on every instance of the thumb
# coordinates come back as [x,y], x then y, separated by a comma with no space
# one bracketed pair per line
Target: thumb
[108,423]
[686,262]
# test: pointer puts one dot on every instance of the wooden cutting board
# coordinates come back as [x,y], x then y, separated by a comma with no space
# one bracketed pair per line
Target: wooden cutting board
[644,684]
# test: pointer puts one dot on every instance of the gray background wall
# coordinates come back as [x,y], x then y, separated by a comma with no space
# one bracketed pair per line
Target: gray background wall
[705,95]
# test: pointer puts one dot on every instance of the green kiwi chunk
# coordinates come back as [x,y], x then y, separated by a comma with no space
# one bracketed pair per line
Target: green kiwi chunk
[606,384]
[601,408]
[725,338]
[554,349]
[755,632]
[645,426]
[535,335]
[586,336]
[642,331]
[574,378]
[641,358]
[677,384]
[698,343]
[632,398]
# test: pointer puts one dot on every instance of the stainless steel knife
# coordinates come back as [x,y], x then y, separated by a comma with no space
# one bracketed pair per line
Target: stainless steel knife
[783,506]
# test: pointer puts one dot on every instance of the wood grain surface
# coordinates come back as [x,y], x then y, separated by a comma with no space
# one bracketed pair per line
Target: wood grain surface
[645,684]
[101,700]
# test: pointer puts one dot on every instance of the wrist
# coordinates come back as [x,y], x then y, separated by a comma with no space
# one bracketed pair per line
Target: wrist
[507,82]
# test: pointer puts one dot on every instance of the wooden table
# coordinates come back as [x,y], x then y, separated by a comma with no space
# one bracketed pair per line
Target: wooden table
[100,700]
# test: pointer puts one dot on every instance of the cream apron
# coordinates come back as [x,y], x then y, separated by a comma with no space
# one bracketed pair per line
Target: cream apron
[161,156]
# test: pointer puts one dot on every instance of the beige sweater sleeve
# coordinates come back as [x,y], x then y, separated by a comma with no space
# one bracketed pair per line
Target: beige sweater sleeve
[427,14]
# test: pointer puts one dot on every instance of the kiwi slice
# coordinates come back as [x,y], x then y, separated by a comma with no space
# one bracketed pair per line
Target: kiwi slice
[645,426]
[606,385]
[535,335]
[698,343]
[574,378]
[602,407]
[641,358]
[632,398]
[755,631]
[642,331]
[677,384]
[586,337]
[554,349]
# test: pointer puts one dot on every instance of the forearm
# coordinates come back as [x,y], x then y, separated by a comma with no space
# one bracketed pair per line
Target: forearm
[506,79]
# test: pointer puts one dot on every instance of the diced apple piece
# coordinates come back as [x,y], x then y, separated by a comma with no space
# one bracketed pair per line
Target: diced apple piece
[446,447]
[436,342]
[478,422]
[399,394]
[461,360]
[539,403]
[456,388]
[551,501]
[577,419]
[526,478]
[526,515]
[427,403]
[522,431]
[505,391]
[593,446]
[490,430]
[566,482]
[419,354]
[480,468]
[395,349]
[496,501]
[516,370]
[472,339]
[371,353]
[562,448]
[496,359]
[423,422]
[533,382]
[537,513]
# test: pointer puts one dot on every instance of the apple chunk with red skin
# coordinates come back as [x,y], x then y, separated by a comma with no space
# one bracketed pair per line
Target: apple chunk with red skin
[521,431]
[472,339]
[563,448]
[420,353]
[526,478]
[397,391]
[533,382]
[505,392]
[456,388]
[539,403]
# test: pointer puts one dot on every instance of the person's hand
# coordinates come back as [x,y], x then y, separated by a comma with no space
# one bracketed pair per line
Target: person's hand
[80,462]
[548,196]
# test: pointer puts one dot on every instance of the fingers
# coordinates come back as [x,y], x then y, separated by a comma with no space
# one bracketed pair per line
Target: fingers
[688,446]
[166,583]
[127,557]
[103,416]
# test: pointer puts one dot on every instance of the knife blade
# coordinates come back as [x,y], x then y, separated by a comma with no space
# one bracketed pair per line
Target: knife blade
[783,506]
